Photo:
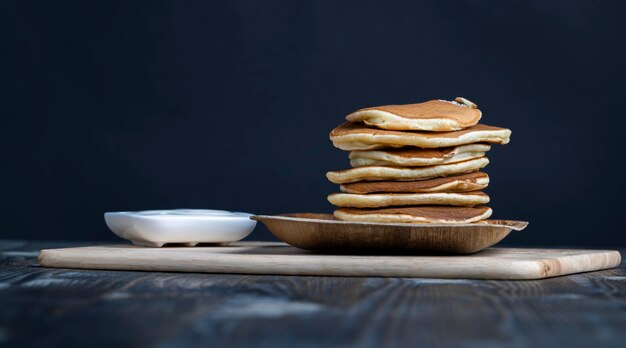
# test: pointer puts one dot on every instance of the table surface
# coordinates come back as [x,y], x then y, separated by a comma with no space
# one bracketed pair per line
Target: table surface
[62,307]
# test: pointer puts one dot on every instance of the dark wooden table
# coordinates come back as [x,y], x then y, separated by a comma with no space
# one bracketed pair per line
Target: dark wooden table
[62,307]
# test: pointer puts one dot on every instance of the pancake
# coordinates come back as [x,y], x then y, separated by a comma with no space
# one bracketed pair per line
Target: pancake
[457,183]
[356,136]
[374,173]
[414,156]
[433,115]
[421,214]
[377,200]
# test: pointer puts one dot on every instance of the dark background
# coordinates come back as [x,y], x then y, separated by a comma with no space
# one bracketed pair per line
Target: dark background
[228,105]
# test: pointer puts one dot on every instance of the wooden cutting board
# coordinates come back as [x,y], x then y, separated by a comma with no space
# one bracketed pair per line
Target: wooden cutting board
[279,258]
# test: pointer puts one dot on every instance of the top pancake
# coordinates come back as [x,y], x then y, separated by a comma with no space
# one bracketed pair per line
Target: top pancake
[356,136]
[433,115]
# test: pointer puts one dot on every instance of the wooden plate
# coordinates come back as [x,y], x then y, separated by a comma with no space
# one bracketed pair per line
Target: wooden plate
[324,232]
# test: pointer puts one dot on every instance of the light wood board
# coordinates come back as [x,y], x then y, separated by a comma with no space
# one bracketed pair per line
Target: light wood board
[279,258]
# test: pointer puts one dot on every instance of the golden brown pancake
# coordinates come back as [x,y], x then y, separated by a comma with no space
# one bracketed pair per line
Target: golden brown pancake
[419,214]
[379,173]
[433,115]
[377,200]
[456,183]
[356,136]
[415,156]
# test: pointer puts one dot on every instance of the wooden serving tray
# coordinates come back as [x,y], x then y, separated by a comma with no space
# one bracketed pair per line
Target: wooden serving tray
[279,258]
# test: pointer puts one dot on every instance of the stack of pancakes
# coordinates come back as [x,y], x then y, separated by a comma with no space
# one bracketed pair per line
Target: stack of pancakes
[415,163]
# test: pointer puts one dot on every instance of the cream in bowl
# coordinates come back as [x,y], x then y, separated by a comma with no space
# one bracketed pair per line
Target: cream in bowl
[187,226]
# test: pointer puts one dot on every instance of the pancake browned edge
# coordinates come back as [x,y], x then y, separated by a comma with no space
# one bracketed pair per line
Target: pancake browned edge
[378,200]
[416,157]
[456,183]
[380,173]
[356,136]
[419,214]
[433,115]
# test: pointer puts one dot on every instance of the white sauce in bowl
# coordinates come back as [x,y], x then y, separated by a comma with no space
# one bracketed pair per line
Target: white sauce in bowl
[186,226]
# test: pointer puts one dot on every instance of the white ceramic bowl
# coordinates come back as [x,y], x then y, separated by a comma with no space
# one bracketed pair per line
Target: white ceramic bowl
[187,226]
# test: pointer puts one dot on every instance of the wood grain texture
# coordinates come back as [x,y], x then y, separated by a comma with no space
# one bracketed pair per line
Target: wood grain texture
[61,307]
[279,258]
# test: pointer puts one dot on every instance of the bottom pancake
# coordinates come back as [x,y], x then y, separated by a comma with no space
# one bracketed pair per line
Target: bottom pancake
[417,214]
[376,200]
